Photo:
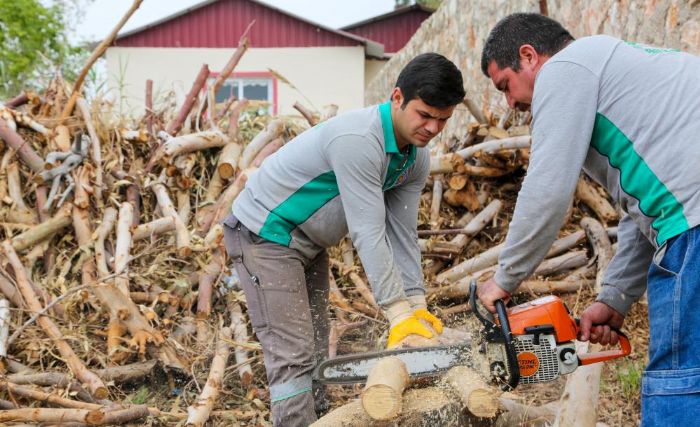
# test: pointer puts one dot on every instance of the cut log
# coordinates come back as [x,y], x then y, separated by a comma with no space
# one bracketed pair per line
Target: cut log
[273,130]
[43,231]
[4,327]
[153,228]
[95,149]
[199,411]
[310,117]
[176,123]
[475,111]
[25,151]
[122,253]
[587,193]
[182,235]
[480,399]
[240,337]
[102,232]
[383,394]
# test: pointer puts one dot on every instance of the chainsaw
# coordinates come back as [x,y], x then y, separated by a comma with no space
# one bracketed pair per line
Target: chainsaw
[528,343]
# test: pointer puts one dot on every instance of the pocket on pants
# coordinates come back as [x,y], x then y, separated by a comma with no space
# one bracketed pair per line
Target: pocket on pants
[671,382]
[255,298]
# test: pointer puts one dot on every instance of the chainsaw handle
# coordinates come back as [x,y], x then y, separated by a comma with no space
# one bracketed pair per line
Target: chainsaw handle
[601,356]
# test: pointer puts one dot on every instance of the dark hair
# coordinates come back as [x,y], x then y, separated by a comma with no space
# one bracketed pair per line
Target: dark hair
[432,78]
[546,35]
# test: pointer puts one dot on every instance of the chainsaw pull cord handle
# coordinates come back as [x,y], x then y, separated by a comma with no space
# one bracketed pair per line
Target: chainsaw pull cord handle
[601,356]
[507,335]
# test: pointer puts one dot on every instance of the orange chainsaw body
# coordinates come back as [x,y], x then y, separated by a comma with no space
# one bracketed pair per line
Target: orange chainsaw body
[549,310]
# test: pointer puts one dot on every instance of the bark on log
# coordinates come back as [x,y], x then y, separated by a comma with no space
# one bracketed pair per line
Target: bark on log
[490,257]
[383,394]
[240,336]
[198,412]
[95,149]
[269,149]
[176,123]
[493,146]
[310,117]
[122,252]
[587,193]
[116,374]
[475,111]
[187,144]
[43,231]
[182,235]
[273,130]
[4,327]
[88,378]
[153,228]
[102,232]
[40,395]
[551,266]
[24,150]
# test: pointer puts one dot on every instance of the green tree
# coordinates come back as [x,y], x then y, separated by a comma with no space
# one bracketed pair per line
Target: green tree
[33,41]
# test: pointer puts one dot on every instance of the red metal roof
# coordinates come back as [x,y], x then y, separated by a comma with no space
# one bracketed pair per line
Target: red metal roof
[393,29]
[220,23]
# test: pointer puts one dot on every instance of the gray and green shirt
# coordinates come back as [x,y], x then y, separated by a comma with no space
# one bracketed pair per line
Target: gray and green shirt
[629,115]
[345,175]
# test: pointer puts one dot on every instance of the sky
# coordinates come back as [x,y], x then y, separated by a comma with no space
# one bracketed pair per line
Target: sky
[101,16]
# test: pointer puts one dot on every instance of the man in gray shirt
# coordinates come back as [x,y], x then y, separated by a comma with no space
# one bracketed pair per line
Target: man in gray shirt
[359,173]
[629,115]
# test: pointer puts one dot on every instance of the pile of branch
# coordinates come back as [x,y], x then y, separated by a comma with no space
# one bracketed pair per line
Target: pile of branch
[113,269]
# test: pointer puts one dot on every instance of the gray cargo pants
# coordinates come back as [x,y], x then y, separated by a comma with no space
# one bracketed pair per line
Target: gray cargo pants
[287,298]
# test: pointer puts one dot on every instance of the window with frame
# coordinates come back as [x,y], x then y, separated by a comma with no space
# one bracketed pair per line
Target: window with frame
[251,88]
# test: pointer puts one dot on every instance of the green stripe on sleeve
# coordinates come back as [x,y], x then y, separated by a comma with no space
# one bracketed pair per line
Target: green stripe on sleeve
[298,207]
[639,181]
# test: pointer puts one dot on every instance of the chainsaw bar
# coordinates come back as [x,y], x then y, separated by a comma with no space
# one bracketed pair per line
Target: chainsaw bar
[421,361]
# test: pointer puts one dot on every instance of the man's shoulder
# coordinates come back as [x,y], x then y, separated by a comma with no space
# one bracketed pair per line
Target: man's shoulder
[590,52]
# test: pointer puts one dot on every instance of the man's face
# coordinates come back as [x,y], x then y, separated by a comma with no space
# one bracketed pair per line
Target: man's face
[518,86]
[417,122]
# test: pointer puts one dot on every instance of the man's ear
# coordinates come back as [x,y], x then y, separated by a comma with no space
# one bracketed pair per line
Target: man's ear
[528,55]
[397,97]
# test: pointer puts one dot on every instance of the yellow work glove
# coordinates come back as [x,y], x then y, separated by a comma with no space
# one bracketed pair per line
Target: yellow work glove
[424,314]
[404,328]
[420,309]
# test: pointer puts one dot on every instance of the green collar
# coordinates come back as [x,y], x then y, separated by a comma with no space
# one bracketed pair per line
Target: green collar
[390,145]
[399,162]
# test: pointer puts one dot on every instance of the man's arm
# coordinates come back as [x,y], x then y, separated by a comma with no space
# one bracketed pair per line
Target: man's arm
[357,164]
[564,111]
[626,277]
[402,223]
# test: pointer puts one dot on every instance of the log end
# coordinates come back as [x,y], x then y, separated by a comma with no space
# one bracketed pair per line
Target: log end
[100,393]
[483,403]
[381,402]
[227,170]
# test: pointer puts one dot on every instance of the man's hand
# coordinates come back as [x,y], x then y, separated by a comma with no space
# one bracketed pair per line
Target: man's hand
[424,314]
[489,292]
[406,327]
[604,318]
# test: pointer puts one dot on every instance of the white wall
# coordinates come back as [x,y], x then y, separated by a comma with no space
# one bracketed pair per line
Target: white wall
[324,75]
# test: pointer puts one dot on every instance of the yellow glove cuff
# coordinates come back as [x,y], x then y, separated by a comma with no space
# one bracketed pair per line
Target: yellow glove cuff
[405,328]
[424,314]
